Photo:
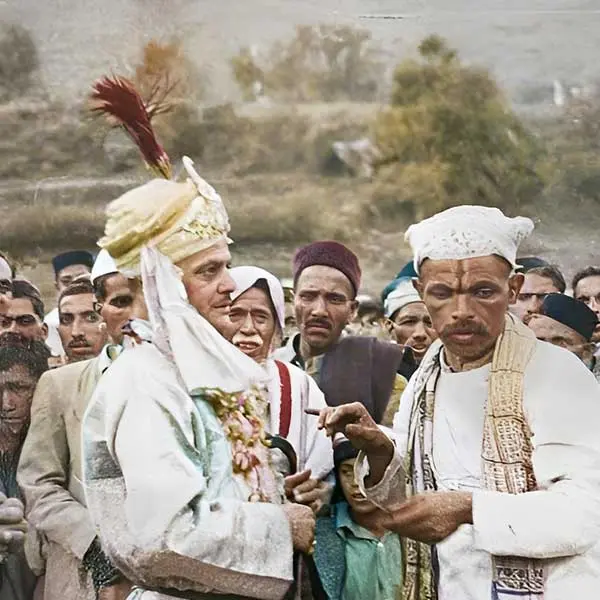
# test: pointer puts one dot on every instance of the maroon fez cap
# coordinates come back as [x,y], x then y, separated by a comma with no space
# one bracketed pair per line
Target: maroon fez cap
[328,254]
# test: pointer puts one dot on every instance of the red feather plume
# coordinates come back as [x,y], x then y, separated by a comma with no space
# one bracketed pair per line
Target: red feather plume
[117,98]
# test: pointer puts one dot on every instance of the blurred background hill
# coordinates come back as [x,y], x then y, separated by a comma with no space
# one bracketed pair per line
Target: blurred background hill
[460,101]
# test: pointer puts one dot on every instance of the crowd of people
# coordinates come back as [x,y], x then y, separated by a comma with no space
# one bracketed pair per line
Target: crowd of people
[178,428]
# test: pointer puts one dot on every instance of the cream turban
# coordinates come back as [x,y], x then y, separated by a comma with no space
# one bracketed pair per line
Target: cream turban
[178,218]
[467,232]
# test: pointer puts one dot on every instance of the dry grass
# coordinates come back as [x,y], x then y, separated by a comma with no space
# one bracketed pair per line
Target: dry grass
[34,227]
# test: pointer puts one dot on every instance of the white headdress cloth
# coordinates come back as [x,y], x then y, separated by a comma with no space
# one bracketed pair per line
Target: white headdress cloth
[103,265]
[5,270]
[246,277]
[402,295]
[203,357]
[467,232]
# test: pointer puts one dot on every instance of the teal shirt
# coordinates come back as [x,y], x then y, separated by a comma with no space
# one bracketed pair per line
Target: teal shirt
[373,565]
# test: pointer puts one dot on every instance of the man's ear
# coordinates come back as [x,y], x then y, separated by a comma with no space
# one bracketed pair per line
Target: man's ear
[588,352]
[418,286]
[45,331]
[515,283]
[353,310]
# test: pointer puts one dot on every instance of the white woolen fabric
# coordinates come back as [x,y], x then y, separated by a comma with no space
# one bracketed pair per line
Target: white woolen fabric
[467,232]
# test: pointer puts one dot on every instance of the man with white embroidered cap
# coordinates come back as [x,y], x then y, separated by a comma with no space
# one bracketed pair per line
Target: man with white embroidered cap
[178,474]
[498,432]
[258,318]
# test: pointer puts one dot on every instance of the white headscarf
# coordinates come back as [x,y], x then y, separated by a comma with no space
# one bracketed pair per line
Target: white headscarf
[246,278]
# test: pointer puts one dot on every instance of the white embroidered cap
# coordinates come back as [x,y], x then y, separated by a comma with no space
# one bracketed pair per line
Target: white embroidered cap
[103,265]
[402,295]
[467,232]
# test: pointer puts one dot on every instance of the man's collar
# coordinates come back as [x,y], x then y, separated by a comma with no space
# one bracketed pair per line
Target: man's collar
[345,524]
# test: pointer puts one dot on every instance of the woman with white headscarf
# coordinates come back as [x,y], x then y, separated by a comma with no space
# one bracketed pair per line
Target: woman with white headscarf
[258,317]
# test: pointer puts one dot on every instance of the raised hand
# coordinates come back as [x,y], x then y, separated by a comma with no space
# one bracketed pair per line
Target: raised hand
[354,421]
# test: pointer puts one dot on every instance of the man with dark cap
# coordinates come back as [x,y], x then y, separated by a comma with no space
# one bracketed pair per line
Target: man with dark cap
[539,282]
[346,368]
[586,287]
[567,323]
[526,263]
[67,267]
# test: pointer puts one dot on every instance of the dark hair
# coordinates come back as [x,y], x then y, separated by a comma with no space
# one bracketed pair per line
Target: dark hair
[21,288]
[263,285]
[553,273]
[582,274]
[343,451]
[100,286]
[370,306]
[77,287]
[34,357]
[11,264]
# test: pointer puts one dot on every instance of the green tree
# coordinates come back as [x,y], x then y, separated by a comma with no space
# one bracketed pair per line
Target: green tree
[449,137]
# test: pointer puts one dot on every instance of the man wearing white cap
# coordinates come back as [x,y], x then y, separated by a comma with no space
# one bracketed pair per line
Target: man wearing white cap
[410,322]
[258,318]
[178,474]
[498,430]
[50,468]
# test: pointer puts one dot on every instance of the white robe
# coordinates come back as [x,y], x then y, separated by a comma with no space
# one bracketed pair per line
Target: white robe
[161,492]
[560,522]
[312,445]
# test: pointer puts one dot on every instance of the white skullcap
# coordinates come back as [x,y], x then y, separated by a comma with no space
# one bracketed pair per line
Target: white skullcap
[103,265]
[246,277]
[467,232]
[403,294]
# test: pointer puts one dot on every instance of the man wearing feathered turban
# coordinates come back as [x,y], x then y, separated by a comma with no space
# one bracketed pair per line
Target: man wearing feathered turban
[178,475]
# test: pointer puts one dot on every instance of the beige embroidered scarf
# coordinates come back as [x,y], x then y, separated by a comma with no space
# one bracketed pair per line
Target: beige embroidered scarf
[506,456]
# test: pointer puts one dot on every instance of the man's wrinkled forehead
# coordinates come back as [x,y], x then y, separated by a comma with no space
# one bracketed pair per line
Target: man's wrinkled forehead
[325,279]
[5,270]
[468,268]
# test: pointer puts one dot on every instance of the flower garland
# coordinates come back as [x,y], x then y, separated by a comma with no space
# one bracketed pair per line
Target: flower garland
[243,427]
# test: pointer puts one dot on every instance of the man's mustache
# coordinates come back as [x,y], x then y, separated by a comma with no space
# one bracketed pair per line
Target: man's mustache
[79,344]
[464,328]
[318,323]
